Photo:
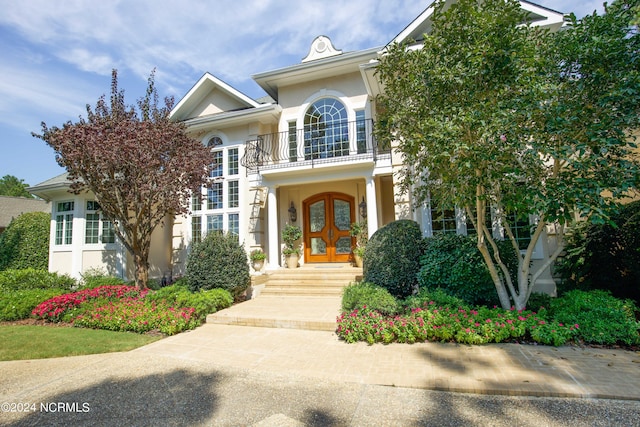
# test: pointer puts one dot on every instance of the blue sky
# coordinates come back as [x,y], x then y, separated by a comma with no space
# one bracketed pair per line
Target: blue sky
[56,56]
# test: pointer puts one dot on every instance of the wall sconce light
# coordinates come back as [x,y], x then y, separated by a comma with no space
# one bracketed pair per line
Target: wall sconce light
[363,208]
[293,214]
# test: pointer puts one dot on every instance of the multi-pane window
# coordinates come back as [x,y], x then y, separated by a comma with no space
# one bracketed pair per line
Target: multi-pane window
[443,218]
[361,132]
[293,141]
[232,161]
[326,130]
[214,196]
[233,201]
[196,200]
[64,223]
[234,224]
[218,211]
[196,229]
[214,223]
[97,228]
[521,228]
[215,169]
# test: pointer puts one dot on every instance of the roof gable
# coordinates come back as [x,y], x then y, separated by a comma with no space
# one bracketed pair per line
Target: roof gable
[538,16]
[208,96]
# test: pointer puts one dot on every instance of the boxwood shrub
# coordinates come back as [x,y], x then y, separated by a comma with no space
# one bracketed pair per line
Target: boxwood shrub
[392,257]
[218,262]
[31,278]
[373,297]
[17,304]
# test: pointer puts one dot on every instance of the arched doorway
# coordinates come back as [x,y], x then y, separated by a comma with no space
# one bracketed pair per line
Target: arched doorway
[328,218]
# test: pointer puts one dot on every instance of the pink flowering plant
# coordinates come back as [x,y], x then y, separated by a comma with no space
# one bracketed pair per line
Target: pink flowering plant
[448,320]
[125,308]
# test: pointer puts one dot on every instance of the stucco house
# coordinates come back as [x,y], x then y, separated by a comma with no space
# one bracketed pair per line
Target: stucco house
[304,155]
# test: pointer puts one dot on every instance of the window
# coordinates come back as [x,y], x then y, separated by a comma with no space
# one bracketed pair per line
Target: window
[521,228]
[196,200]
[64,223]
[233,194]
[214,196]
[326,132]
[218,211]
[293,142]
[234,224]
[215,169]
[196,229]
[361,132]
[214,223]
[232,160]
[443,218]
[97,228]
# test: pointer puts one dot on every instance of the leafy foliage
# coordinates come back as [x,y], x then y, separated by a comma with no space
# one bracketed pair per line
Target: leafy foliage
[25,242]
[590,317]
[133,161]
[218,262]
[14,187]
[170,310]
[605,256]
[493,113]
[392,257]
[17,304]
[368,296]
[454,263]
[95,277]
[31,278]
[603,319]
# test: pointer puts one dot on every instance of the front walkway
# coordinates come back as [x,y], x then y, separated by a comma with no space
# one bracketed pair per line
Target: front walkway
[502,369]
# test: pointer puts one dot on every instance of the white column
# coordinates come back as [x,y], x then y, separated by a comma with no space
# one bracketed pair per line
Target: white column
[372,205]
[273,254]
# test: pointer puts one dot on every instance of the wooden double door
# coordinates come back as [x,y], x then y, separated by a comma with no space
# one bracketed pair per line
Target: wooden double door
[328,218]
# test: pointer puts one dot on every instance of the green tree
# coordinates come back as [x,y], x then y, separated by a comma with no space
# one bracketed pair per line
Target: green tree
[138,163]
[13,186]
[25,242]
[490,112]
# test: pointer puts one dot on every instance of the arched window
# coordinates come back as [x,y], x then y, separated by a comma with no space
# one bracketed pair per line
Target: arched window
[326,130]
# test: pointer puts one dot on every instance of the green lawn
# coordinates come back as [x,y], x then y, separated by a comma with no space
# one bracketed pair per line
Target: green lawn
[21,342]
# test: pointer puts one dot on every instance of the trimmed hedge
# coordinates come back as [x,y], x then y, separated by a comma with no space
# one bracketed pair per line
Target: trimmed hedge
[31,278]
[25,242]
[369,296]
[17,304]
[218,262]
[392,257]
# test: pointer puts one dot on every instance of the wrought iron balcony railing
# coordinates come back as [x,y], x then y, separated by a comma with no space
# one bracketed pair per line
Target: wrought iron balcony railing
[331,143]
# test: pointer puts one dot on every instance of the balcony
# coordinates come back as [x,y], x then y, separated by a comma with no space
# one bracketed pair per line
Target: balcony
[334,143]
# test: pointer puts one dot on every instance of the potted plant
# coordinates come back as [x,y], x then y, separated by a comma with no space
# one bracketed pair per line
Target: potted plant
[359,231]
[257,259]
[290,234]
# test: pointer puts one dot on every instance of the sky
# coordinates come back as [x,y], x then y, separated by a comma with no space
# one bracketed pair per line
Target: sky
[56,56]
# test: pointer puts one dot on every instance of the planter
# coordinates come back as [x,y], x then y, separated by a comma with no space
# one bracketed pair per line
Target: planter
[292,260]
[257,264]
[357,259]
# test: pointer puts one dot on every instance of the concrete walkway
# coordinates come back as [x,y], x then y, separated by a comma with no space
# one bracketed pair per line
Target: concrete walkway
[287,346]
[231,375]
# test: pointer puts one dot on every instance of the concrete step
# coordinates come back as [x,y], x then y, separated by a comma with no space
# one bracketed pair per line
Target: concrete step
[290,312]
[303,298]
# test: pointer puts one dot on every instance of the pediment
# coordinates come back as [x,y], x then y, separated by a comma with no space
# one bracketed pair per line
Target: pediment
[210,96]
[538,16]
[321,47]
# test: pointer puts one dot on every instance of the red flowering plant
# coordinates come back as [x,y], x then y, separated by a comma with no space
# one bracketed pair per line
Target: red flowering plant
[66,305]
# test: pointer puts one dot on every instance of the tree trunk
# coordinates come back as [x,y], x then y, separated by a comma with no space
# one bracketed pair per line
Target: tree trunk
[141,264]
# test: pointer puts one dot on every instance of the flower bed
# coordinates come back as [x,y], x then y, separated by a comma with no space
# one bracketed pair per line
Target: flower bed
[463,325]
[125,308]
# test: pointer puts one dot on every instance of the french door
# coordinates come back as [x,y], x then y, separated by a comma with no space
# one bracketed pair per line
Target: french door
[328,218]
